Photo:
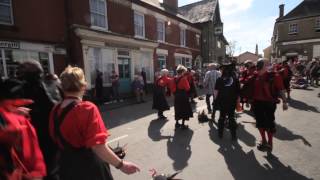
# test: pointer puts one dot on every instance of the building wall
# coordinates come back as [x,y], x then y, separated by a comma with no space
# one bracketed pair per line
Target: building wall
[287,46]
[37,21]
[118,15]
[306,30]
[247,56]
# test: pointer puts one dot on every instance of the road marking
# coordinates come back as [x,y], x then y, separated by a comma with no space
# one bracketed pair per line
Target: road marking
[117,139]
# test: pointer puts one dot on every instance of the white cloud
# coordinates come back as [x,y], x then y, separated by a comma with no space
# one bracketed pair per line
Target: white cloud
[229,7]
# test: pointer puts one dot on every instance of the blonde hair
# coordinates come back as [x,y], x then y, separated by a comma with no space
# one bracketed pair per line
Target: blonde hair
[72,79]
[181,69]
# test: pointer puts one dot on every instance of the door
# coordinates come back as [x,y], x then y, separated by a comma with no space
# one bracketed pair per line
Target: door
[124,74]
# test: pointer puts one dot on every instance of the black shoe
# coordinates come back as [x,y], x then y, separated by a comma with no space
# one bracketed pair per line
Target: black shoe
[183,126]
[162,117]
[262,146]
[177,125]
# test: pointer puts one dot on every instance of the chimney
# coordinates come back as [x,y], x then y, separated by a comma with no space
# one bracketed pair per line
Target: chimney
[281,10]
[171,4]
[257,51]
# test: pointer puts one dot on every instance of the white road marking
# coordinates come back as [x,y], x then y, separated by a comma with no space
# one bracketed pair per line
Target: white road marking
[117,139]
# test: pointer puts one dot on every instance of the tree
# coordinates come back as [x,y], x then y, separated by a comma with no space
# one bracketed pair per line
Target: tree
[231,48]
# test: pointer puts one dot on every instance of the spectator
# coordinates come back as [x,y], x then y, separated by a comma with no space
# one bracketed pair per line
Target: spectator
[137,87]
[144,77]
[115,85]
[99,87]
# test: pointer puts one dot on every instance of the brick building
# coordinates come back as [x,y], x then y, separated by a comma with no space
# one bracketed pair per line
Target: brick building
[247,56]
[297,34]
[28,31]
[206,14]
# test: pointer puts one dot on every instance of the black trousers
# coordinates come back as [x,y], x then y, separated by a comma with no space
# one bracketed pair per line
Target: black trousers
[224,113]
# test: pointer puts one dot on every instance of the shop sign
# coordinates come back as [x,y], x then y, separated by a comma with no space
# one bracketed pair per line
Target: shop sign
[9,44]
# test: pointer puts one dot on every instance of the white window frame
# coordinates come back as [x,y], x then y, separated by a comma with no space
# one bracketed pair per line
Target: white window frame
[163,28]
[183,37]
[162,57]
[317,24]
[11,13]
[143,23]
[186,61]
[293,28]
[93,26]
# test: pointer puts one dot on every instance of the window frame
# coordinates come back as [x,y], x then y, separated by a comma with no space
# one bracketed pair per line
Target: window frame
[11,14]
[98,13]
[162,57]
[143,23]
[293,30]
[183,35]
[163,30]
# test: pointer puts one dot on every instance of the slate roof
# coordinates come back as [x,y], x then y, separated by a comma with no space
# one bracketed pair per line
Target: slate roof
[306,8]
[199,12]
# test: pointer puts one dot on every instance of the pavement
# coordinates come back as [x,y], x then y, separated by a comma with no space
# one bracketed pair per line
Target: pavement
[200,155]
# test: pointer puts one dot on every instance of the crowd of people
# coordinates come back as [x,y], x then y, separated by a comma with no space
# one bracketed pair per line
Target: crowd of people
[48,132]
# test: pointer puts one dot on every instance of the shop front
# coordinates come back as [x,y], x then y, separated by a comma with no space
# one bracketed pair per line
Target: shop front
[14,52]
[107,52]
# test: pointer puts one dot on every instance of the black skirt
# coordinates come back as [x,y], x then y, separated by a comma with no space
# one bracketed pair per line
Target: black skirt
[159,99]
[82,164]
[182,106]
[264,114]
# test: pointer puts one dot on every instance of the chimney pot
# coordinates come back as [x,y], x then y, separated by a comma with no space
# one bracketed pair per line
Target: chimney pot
[172,4]
[281,10]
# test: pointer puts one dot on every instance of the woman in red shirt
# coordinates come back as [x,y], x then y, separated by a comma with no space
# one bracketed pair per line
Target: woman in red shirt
[159,95]
[182,106]
[77,127]
[20,154]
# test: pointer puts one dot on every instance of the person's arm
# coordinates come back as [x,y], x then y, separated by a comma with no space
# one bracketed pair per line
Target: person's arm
[282,91]
[106,154]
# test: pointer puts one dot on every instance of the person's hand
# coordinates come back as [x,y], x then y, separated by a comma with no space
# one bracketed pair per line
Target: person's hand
[129,168]
[285,106]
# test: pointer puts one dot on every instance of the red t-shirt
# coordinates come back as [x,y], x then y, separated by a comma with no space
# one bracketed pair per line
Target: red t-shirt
[164,81]
[183,84]
[262,89]
[82,126]
[26,143]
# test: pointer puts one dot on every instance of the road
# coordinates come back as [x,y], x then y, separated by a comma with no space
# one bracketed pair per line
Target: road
[201,155]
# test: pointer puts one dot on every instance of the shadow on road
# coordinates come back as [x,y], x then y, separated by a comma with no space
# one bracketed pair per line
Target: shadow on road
[179,149]
[244,165]
[302,106]
[286,135]
[154,129]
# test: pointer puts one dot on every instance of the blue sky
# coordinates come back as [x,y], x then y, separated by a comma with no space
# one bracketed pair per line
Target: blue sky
[250,22]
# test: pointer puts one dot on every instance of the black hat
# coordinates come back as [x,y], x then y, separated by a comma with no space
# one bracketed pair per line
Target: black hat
[10,89]
[226,63]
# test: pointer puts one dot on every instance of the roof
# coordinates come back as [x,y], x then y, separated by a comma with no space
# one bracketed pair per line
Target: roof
[306,8]
[157,4]
[199,12]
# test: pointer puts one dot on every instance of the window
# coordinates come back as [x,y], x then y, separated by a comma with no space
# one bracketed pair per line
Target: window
[98,12]
[6,12]
[219,44]
[139,25]
[293,28]
[198,39]
[12,58]
[183,37]
[184,61]
[101,60]
[162,61]
[317,26]
[161,30]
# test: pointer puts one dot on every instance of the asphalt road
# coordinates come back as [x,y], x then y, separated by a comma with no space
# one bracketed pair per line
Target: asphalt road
[201,155]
